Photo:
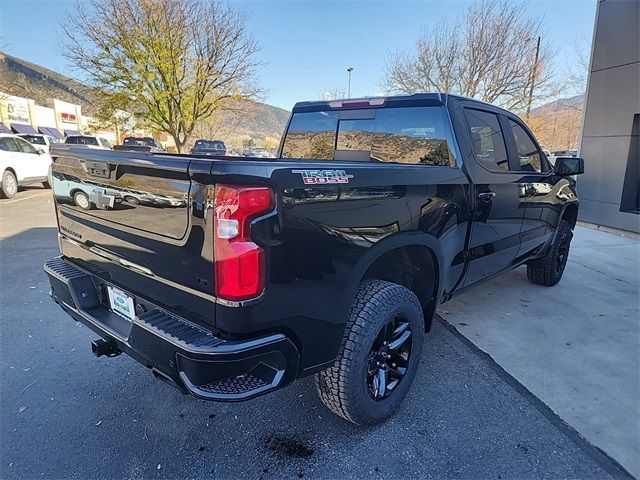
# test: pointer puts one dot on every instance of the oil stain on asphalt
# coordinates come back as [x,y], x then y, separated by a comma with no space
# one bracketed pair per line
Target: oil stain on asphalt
[287,446]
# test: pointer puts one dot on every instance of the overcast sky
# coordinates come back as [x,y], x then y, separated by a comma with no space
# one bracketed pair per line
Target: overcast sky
[307,46]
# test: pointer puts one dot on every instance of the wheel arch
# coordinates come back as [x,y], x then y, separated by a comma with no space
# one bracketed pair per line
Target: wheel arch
[413,260]
[12,170]
[570,214]
[75,190]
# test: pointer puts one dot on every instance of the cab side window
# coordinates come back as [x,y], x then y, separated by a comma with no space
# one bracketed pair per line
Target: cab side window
[530,158]
[488,139]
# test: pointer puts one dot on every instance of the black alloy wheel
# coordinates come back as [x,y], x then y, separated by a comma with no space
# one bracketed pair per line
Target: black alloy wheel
[562,253]
[389,358]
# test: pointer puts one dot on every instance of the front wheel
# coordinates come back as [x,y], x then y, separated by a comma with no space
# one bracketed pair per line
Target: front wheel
[81,199]
[379,355]
[9,185]
[548,270]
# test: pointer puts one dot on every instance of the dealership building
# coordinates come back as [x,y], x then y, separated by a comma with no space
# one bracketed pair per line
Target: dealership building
[610,187]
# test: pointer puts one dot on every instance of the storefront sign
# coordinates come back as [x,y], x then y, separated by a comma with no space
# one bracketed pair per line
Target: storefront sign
[18,110]
[68,118]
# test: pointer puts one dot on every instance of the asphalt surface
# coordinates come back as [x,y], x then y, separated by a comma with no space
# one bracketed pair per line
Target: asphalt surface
[66,414]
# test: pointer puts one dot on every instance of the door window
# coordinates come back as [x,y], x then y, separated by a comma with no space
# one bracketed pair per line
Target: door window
[25,147]
[529,156]
[8,144]
[488,139]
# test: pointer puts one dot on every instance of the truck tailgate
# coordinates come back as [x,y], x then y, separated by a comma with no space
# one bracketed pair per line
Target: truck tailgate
[131,218]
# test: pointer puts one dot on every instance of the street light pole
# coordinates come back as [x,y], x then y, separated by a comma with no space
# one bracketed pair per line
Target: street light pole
[349,70]
[533,78]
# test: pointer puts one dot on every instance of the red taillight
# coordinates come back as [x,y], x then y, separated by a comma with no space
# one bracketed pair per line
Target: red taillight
[239,263]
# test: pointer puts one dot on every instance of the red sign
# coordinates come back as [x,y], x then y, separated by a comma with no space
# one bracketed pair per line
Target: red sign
[68,117]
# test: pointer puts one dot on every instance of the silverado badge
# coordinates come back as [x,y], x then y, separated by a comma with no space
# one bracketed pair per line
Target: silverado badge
[323,177]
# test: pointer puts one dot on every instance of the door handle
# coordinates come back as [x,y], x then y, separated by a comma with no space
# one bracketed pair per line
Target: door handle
[486,196]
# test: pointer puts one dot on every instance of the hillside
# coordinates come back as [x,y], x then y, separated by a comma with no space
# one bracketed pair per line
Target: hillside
[25,79]
[557,124]
[253,120]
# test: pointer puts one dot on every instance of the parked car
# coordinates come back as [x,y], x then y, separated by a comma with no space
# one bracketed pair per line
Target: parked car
[329,260]
[21,164]
[85,195]
[90,141]
[257,153]
[40,142]
[141,144]
[209,147]
[565,153]
[134,197]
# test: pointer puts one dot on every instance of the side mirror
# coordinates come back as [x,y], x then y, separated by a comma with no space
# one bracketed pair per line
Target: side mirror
[567,166]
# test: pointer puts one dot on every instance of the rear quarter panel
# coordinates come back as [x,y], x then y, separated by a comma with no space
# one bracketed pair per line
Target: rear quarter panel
[322,238]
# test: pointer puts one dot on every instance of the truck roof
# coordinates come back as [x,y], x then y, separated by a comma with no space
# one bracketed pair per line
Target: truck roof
[417,99]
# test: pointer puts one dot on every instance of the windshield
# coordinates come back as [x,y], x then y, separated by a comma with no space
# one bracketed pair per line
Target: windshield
[209,145]
[82,140]
[36,139]
[414,135]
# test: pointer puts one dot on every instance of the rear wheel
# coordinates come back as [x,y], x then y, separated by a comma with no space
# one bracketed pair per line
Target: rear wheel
[81,199]
[548,270]
[9,186]
[131,200]
[379,354]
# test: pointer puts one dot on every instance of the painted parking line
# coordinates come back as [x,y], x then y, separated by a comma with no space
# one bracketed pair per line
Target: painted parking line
[39,194]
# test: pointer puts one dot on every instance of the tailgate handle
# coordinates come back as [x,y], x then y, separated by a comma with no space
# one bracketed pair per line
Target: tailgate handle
[97,169]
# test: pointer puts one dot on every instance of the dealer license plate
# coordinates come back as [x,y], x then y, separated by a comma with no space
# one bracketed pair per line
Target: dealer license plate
[121,303]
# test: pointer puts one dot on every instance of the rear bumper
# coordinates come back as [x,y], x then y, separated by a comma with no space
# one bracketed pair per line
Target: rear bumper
[180,352]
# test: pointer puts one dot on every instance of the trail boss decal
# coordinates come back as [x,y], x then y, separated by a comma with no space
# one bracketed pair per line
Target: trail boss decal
[323,177]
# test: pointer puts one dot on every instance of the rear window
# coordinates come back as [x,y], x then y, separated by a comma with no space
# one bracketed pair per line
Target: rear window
[209,145]
[145,141]
[82,140]
[413,135]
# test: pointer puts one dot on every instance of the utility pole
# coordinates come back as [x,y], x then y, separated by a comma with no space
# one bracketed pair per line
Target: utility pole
[533,78]
[349,70]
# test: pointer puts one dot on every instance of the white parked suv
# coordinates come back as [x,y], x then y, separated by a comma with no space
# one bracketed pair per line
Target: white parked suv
[41,142]
[89,141]
[21,164]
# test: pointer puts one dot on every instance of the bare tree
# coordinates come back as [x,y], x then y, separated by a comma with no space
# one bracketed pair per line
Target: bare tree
[488,54]
[578,71]
[171,62]
[333,94]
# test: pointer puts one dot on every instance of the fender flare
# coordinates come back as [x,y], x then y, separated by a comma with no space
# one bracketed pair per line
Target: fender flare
[568,204]
[398,240]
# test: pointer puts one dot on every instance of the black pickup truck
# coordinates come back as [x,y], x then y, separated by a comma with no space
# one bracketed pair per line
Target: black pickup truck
[329,260]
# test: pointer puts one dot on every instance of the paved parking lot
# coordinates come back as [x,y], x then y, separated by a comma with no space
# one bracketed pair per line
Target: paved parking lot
[67,414]
[576,346]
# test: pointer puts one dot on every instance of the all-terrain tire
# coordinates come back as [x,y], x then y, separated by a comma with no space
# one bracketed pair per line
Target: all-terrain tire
[343,387]
[548,270]
[9,185]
